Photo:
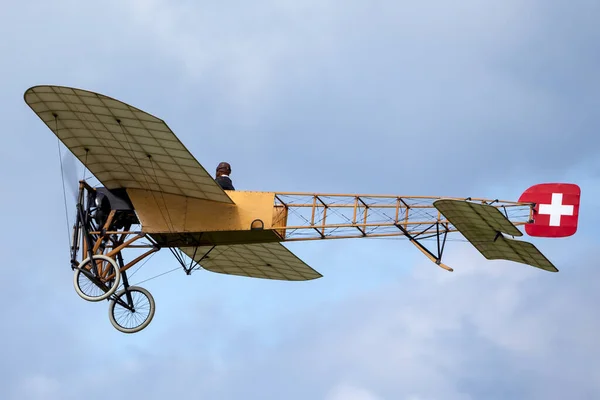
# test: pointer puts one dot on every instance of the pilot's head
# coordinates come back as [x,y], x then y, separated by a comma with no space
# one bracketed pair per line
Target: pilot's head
[223,169]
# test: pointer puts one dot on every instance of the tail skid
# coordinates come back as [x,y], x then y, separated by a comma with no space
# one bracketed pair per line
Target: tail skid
[440,246]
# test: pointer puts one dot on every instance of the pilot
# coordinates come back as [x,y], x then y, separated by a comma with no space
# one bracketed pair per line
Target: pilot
[223,171]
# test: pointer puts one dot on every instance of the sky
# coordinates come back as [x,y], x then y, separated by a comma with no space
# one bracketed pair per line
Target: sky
[468,98]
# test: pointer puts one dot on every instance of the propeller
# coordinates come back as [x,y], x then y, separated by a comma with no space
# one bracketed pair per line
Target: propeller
[70,173]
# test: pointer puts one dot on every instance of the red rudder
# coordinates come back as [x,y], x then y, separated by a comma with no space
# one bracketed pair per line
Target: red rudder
[556,210]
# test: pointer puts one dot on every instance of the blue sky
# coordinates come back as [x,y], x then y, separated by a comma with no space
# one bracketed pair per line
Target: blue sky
[461,99]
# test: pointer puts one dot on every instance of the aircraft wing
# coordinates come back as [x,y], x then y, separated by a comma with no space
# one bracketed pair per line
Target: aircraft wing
[483,225]
[126,147]
[257,260]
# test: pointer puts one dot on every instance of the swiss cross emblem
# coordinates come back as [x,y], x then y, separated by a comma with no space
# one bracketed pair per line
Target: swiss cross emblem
[556,209]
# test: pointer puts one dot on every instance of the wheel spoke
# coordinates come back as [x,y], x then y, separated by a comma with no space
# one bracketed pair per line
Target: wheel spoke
[136,315]
[90,285]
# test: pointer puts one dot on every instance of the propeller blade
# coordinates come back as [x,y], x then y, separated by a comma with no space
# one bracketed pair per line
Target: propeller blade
[70,171]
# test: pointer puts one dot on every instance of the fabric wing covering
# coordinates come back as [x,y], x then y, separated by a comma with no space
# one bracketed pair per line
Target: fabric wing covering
[126,147]
[256,260]
[483,225]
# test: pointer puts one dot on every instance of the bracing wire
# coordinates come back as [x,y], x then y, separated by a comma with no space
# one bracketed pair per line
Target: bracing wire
[141,265]
[159,275]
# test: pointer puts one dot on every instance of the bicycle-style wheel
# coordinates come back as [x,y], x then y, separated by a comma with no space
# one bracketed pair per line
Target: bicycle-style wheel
[99,283]
[132,309]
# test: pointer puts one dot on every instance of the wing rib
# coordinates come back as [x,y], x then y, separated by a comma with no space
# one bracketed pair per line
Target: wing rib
[123,147]
[257,260]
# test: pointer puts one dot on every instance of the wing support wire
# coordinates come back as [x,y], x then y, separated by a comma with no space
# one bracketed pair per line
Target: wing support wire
[194,263]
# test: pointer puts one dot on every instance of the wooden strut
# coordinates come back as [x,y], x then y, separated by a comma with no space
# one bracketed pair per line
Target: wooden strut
[437,260]
[128,244]
[340,216]
[313,216]
[105,247]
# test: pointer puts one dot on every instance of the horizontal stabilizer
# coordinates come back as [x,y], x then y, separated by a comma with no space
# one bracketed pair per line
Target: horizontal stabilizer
[482,225]
[481,219]
[514,250]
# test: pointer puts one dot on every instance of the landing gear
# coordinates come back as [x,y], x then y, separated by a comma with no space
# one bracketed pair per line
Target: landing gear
[102,231]
[98,279]
[131,309]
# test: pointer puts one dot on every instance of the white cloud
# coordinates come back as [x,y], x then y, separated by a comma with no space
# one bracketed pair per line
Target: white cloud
[38,386]
[431,335]
[459,85]
[428,95]
[345,391]
[244,46]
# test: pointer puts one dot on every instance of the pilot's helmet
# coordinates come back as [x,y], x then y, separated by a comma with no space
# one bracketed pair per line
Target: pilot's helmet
[224,168]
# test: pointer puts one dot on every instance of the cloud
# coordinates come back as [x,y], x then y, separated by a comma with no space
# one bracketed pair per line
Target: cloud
[488,330]
[440,100]
[38,387]
[349,392]
[425,94]
[475,99]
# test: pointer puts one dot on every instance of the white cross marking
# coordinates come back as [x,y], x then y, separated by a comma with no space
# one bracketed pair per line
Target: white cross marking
[556,209]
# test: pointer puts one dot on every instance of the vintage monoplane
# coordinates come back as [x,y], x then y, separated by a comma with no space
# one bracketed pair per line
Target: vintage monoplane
[154,194]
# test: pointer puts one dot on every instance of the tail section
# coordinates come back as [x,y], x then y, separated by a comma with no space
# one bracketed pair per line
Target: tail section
[556,210]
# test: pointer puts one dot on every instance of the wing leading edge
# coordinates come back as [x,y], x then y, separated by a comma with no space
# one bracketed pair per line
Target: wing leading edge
[483,225]
[123,147]
[256,260]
